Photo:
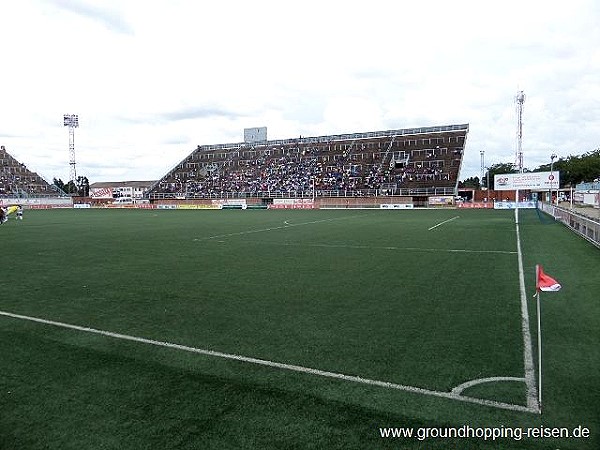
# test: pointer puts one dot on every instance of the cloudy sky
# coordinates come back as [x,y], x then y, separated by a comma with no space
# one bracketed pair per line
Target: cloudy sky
[152,79]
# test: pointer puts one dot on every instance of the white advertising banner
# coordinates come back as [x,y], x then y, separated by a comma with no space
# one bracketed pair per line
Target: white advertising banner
[396,206]
[535,181]
[513,205]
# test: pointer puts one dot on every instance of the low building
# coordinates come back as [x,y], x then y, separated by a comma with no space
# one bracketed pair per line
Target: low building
[588,194]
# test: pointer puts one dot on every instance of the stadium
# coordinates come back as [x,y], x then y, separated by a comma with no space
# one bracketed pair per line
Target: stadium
[414,162]
[311,292]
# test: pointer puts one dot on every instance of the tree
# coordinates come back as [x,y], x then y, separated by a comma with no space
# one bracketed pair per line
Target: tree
[59,184]
[71,188]
[575,169]
[472,182]
[83,186]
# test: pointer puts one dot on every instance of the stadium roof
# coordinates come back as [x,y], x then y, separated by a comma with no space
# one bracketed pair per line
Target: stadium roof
[344,137]
[110,184]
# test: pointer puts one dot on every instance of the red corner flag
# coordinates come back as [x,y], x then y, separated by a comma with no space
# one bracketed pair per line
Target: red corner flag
[545,282]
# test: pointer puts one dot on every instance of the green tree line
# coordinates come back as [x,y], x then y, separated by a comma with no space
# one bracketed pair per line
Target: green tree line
[79,188]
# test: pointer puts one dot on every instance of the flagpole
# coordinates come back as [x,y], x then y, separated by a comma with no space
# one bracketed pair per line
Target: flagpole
[539,330]
[517,206]
[543,282]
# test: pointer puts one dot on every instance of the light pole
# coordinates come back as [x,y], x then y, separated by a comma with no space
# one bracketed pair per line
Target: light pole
[482,153]
[552,158]
[72,121]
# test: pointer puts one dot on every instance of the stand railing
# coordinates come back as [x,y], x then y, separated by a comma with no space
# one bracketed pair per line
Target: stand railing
[398,192]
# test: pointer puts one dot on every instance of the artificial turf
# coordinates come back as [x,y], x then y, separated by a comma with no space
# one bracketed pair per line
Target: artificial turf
[398,296]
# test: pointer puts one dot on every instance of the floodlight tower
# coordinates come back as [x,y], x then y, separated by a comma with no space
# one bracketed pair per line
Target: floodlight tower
[519,99]
[72,121]
[482,153]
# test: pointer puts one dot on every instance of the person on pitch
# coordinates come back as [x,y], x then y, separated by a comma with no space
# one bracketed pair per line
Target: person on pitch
[10,210]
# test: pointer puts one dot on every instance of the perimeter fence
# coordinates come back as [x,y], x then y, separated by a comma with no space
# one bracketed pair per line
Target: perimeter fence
[585,225]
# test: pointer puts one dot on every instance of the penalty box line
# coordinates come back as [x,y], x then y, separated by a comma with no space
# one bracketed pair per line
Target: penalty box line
[453,395]
[386,247]
[281,227]
[442,223]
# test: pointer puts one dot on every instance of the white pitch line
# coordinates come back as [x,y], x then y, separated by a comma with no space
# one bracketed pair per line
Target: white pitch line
[461,387]
[273,364]
[532,396]
[387,247]
[262,230]
[442,223]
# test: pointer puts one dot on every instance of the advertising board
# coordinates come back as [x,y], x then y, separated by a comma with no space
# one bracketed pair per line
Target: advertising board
[534,181]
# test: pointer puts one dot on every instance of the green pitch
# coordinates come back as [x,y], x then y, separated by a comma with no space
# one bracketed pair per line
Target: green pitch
[324,328]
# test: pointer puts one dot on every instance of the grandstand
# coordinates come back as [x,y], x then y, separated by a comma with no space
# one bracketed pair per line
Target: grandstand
[16,180]
[403,162]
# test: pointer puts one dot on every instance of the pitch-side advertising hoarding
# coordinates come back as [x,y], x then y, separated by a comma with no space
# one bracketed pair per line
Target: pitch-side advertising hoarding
[534,181]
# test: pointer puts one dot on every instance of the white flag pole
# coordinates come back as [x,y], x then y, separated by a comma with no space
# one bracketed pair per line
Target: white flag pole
[517,206]
[539,353]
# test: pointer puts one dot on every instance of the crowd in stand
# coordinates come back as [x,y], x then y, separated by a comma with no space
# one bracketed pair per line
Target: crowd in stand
[298,172]
[17,180]
[280,169]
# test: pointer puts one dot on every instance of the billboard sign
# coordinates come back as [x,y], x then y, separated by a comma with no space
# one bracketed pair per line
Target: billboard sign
[513,205]
[443,200]
[534,181]
[101,193]
[255,135]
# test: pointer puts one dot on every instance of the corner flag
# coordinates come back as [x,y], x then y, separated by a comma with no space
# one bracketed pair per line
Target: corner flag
[545,282]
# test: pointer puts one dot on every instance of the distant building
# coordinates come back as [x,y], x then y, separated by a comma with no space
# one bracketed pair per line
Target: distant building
[116,189]
[588,194]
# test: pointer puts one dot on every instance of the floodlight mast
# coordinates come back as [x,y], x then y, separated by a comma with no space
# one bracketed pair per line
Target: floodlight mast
[72,121]
[482,153]
[552,158]
[519,99]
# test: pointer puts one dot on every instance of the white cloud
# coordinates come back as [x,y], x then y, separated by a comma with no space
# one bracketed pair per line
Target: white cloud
[151,80]
[109,18]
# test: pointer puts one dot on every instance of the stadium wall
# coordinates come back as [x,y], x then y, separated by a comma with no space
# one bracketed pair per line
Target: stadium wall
[360,202]
[318,203]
